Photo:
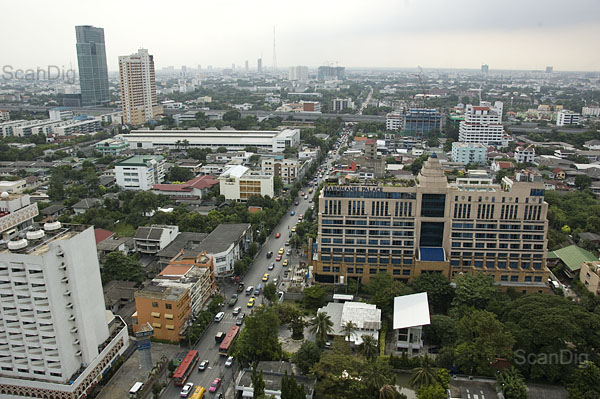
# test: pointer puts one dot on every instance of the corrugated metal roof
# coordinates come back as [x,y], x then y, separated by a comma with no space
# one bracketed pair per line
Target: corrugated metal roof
[573,256]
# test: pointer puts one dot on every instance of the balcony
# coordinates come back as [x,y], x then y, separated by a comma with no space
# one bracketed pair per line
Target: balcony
[48,341]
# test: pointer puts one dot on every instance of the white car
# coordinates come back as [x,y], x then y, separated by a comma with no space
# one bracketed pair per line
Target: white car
[219,316]
[229,361]
[186,390]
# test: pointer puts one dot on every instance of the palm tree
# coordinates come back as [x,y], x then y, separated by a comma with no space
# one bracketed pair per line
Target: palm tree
[321,326]
[388,392]
[178,144]
[349,328]
[369,347]
[185,144]
[425,374]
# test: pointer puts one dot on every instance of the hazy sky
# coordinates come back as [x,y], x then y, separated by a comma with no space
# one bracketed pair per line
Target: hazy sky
[508,34]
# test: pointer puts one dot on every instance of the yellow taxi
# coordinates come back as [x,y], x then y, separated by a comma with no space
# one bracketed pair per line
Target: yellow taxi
[285,262]
[266,276]
[251,302]
[281,251]
[294,229]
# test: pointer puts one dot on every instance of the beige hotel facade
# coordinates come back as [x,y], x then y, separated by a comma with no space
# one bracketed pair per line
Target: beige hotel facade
[434,226]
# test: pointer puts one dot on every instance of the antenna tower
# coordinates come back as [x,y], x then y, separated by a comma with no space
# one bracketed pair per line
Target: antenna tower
[274,52]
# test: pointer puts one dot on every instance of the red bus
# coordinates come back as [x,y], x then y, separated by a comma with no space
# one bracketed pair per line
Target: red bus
[229,340]
[185,368]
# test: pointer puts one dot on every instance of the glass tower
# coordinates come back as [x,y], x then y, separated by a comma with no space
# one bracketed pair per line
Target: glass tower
[91,58]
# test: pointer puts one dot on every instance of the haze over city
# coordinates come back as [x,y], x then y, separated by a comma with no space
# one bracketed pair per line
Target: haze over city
[396,34]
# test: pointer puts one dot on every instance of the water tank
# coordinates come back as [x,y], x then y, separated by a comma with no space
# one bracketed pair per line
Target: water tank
[17,245]
[52,226]
[35,235]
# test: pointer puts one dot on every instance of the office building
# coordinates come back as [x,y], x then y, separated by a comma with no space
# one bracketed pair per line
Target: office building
[234,140]
[288,170]
[246,65]
[140,172]
[467,153]
[565,118]
[485,68]
[138,88]
[482,124]
[259,65]
[393,121]
[298,73]
[434,227]
[238,183]
[524,154]
[91,59]
[54,341]
[60,114]
[549,69]
[325,73]
[341,104]
[421,121]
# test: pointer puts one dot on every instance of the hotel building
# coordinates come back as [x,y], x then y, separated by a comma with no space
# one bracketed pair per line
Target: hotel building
[138,88]
[434,226]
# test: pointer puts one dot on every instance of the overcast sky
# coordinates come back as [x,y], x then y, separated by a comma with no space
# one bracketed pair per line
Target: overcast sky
[508,34]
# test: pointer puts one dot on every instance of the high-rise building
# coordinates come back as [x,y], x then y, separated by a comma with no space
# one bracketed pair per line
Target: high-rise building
[331,73]
[298,73]
[91,59]
[138,88]
[485,68]
[549,69]
[421,121]
[482,124]
[393,121]
[246,65]
[259,65]
[56,338]
[434,227]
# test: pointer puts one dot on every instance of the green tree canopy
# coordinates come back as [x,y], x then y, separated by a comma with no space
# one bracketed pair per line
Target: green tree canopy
[474,289]
[585,382]
[118,266]
[438,289]
[259,338]
[308,354]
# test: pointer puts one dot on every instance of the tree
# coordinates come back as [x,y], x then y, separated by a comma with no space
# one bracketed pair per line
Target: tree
[434,391]
[375,375]
[438,289]
[510,382]
[474,289]
[585,382]
[321,326]
[314,297]
[481,338]
[348,329]
[254,159]
[583,181]
[425,374]
[231,116]
[290,389]
[258,383]
[56,189]
[118,266]
[259,339]
[270,292]
[384,289]
[277,184]
[144,202]
[441,331]
[221,150]
[369,348]
[178,173]
[308,354]
[388,391]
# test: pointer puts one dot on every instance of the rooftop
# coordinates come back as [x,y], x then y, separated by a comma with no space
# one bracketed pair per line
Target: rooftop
[221,238]
[411,311]
[185,241]
[140,160]
[573,256]
[161,292]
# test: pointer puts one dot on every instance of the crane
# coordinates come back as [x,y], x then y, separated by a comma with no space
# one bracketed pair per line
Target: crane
[423,91]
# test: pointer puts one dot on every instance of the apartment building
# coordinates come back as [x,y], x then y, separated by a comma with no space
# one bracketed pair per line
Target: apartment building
[589,275]
[4,115]
[482,124]
[151,240]
[393,121]
[524,154]
[138,88]
[16,214]
[286,169]
[421,121]
[54,341]
[469,225]
[467,153]
[310,106]
[298,73]
[585,111]
[341,104]
[140,172]
[238,183]
[48,127]
[112,146]
[60,113]
[565,118]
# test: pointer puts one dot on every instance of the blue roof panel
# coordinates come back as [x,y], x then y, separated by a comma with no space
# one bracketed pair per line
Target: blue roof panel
[431,254]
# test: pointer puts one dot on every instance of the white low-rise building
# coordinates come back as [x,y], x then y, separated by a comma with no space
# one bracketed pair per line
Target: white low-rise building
[227,243]
[365,317]
[411,313]
[140,172]
[150,240]
[467,153]
[13,187]
[238,183]
[565,117]
[524,154]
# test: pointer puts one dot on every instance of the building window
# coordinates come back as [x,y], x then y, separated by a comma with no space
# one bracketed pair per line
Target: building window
[154,304]
[168,306]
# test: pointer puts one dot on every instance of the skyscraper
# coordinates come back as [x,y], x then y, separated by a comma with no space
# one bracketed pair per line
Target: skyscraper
[138,88]
[298,73]
[485,68]
[91,58]
[259,65]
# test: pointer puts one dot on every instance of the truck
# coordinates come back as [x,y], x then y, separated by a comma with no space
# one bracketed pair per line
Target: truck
[233,300]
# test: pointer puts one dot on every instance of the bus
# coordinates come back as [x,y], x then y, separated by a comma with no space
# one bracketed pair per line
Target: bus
[185,368]
[229,340]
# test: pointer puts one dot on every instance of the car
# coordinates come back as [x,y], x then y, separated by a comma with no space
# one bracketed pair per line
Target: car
[310,200]
[266,275]
[186,390]
[278,258]
[285,262]
[219,316]
[236,311]
[216,384]
[300,216]
[280,295]
[233,300]
[219,396]
[281,251]
[292,213]
[294,229]
[296,203]
[249,290]
[220,336]
[240,319]
[269,254]
[229,361]
[277,235]
[287,243]
[271,266]
[251,302]
[240,287]
[289,252]
[303,194]
[306,197]
[203,365]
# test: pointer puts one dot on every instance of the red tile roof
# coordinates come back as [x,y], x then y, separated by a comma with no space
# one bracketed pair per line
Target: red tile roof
[102,235]
[199,182]
[505,165]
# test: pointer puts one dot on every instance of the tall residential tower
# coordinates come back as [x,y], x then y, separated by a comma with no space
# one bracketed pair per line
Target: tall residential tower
[138,88]
[91,58]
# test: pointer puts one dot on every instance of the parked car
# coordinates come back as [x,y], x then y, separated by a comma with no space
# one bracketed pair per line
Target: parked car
[186,390]
[229,361]
[203,365]
[292,213]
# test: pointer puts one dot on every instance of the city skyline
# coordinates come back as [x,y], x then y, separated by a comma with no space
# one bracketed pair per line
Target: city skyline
[433,34]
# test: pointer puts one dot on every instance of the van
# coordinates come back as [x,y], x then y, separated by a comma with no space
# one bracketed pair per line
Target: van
[135,389]
[219,316]
[219,336]
[249,290]
[198,393]
[258,289]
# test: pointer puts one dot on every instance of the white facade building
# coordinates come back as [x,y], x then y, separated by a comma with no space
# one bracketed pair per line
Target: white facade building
[55,341]
[150,240]
[467,153]
[341,104]
[227,243]
[286,169]
[411,313]
[566,117]
[238,183]
[366,318]
[482,124]
[524,154]
[13,187]
[60,113]
[587,111]
[140,172]
[393,121]
[4,115]
[298,73]
[47,127]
